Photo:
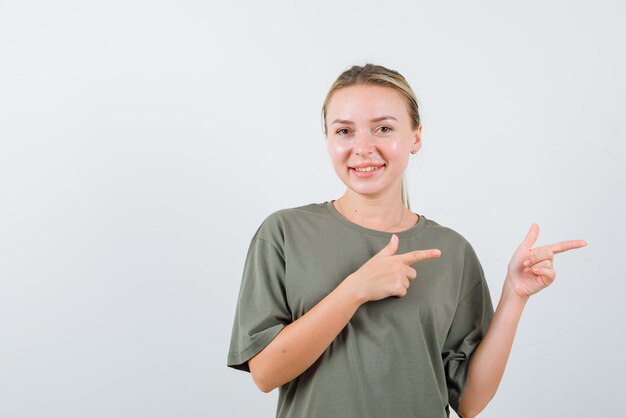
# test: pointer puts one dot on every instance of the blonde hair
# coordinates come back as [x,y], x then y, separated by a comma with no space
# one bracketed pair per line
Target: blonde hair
[377,75]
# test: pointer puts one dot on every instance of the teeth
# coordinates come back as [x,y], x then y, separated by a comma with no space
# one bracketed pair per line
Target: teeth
[371,168]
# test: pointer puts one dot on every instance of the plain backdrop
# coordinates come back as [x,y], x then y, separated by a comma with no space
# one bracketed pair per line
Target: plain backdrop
[142,143]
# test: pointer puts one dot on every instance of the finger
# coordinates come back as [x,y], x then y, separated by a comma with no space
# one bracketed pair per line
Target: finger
[531,236]
[391,247]
[537,255]
[546,252]
[401,289]
[419,255]
[411,273]
[544,263]
[563,246]
[547,274]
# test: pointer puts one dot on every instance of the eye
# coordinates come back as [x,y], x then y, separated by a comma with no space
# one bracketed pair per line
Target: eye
[385,129]
[342,131]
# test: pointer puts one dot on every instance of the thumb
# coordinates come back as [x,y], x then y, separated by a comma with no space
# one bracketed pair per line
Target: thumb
[391,248]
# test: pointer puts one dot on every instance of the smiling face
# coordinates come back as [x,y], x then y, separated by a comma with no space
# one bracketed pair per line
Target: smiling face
[370,126]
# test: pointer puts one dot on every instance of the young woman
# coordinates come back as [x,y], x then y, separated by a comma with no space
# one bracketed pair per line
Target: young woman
[358,307]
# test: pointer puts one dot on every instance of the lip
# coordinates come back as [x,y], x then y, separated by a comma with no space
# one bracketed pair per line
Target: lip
[362,165]
[366,174]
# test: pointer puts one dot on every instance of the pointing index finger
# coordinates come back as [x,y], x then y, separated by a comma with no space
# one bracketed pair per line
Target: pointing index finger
[419,255]
[559,247]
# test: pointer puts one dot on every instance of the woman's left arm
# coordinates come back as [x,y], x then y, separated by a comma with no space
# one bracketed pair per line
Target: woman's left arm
[529,271]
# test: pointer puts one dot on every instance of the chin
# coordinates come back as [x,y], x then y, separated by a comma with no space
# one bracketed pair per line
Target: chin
[366,191]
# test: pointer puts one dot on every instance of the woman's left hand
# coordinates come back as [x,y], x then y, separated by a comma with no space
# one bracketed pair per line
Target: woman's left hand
[531,269]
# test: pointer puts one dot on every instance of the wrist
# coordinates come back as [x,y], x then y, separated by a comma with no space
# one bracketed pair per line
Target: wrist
[351,287]
[510,295]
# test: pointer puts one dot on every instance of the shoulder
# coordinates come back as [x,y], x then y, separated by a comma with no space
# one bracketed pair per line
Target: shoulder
[274,227]
[447,236]
[444,232]
[459,253]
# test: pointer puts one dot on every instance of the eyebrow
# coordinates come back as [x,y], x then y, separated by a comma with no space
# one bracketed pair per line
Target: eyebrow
[373,120]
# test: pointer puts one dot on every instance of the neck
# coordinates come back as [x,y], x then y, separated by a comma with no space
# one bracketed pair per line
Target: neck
[382,212]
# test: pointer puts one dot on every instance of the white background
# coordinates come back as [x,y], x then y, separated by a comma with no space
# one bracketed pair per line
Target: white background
[142,143]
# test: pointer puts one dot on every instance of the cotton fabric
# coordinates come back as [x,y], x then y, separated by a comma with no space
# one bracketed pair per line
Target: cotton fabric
[397,357]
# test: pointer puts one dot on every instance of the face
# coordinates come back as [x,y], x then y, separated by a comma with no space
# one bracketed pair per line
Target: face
[370,126]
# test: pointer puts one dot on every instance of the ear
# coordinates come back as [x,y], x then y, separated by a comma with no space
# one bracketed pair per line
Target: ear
[417,138]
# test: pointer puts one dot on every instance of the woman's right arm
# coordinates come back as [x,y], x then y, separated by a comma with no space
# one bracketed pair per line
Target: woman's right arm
[299,344]
[302,342]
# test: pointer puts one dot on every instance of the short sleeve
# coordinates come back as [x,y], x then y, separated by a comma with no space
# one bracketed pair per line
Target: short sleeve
[262,310]
[471,320]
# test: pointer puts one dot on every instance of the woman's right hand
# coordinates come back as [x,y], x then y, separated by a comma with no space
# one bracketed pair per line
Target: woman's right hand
[387,273]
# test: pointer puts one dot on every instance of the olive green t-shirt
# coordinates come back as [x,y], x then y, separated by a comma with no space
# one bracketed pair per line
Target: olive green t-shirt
[397,357]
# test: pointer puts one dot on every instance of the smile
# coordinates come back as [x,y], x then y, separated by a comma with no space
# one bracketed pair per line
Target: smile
[366,171]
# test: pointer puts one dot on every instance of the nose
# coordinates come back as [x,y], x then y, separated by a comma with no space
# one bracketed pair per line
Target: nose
[363,143]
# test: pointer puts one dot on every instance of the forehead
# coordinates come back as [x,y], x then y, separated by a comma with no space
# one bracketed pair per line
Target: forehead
[365,101]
